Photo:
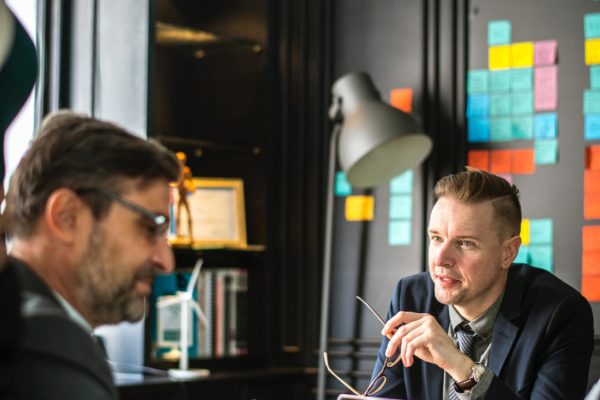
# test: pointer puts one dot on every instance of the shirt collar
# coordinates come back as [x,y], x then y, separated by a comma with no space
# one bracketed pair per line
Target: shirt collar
[73,313]
[482,325]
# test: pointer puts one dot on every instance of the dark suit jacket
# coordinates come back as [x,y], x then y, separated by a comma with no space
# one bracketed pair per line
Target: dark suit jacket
[541,345]
[58,358]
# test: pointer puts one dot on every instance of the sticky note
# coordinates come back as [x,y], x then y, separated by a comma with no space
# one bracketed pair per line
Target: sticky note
[521,55]
[592,158]
[401,98]
[591,25]
[591,101]
[522,255]
[592,51]
[521,103]
[523,161]
[541,231]
[479,159]
[500,161]
[590,287]
[525,231]
[499,81]
[402,183]
[478,130]
[546,88]
[540,256]
[591,207]
[500,129]
[546,151]
[477,105]
[400,206]
[521,79]
[590,264]
[399,233]
[360,208]
[545,52]
[591,182]
[477,81]
[499,32]
[545,125]
[499,57]
[522,127]
[499,105]
[591,238]
[342,186]
[595,77]
[591,127]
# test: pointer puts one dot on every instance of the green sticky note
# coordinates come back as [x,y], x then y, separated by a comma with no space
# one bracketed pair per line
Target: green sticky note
[545,125]
[403,183]
[400,233]
[591,25]
[540,256]
[521,79]
[499,32]
[522,127]
[400,206]
[591,102]
[541,231]
[546,151]
[521,103]
[595,77]
[500,130]
[499,105]
[499,81]
[477,81]
[522,255]
[342,186]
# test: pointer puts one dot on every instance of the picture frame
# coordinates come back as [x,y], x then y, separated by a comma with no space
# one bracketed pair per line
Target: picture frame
[216,213]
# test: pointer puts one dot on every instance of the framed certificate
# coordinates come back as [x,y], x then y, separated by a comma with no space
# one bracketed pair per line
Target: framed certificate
[208,212]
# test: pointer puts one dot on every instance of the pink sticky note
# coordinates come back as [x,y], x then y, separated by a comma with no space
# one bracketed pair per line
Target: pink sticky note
[545,52]
[545,81]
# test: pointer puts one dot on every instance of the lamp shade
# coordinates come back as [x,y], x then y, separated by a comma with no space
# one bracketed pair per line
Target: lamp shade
[377,142]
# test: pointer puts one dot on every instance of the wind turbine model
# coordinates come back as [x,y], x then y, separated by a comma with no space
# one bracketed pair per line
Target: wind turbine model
[186,300]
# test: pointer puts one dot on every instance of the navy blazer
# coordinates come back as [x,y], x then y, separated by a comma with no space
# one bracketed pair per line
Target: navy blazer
[542,340]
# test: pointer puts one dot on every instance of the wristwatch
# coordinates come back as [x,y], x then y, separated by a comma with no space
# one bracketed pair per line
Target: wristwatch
[476,373]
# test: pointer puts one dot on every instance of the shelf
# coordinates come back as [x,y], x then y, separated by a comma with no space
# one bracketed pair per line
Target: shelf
[184,244]
[201,146]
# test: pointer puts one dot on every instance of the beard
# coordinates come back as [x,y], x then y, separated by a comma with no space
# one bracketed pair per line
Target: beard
[107,289]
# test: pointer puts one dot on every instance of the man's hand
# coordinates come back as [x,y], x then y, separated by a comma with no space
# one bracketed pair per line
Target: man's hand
[421,335]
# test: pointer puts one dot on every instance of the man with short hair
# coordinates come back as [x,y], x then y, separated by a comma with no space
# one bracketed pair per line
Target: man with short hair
[88,208]
[477,326]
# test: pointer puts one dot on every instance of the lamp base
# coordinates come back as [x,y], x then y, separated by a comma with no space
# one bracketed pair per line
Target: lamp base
[188,373]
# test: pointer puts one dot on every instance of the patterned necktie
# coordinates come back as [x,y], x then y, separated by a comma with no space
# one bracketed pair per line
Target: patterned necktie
[466,338]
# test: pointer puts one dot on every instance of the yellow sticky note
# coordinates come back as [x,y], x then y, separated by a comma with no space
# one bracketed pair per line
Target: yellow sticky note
[521,54]
[592,51]
[360,208]
[499,57]
[525,231]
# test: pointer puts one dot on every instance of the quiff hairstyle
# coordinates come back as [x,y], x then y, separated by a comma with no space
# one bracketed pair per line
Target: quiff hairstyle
[82,154]
[476,186]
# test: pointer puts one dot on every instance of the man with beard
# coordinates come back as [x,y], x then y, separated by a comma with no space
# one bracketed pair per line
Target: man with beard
[477,326]
[88,208]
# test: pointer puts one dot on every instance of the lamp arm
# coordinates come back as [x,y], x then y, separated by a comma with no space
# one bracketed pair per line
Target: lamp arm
[324,331]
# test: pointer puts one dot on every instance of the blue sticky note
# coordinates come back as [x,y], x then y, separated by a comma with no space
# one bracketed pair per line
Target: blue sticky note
[477,81]
[541,231]
[500,130]
[499,32]
[499,81]
[595,77]
[546,151]
[403,183]
[521,127]
[591,102]
[540,256]
[591,25]
[399,233]
[521,103]
[522,255]
[592,127]
[499,105]
[545,125]
[521,79]
[478,130]
[477,105]
[400,206]
[342,186]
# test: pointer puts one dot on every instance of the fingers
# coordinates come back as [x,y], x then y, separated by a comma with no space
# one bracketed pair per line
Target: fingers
[403,317]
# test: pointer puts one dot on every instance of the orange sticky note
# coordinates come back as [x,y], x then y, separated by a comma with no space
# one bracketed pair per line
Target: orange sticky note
[401,98]
[591,238]
[590,263]
[360,208]
[501,160]
[591,207]
[591,183]
[592,158]
[499,57]
[590,287]
[592,51]
[523,161]
[521,54]
[479,159]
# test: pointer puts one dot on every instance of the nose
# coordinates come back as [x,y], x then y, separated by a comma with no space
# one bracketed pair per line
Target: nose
[163,256]
[442,255]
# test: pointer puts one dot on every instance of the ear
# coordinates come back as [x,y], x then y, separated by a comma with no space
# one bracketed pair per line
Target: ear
[64,214]
[510,249]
